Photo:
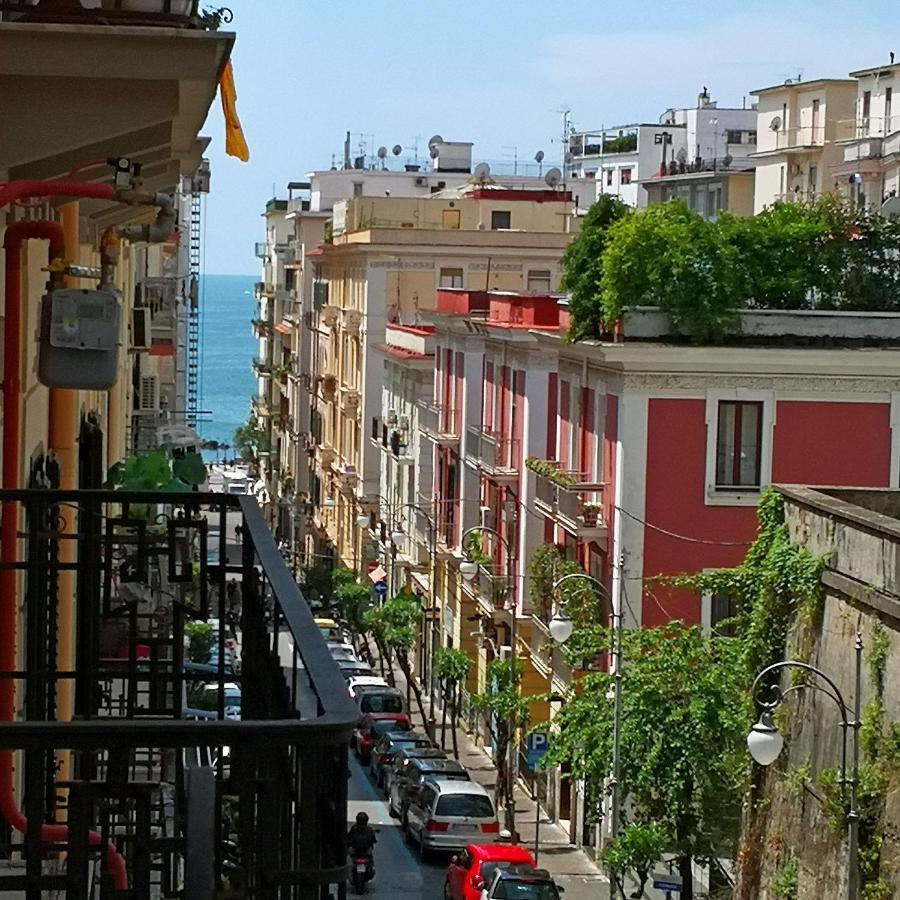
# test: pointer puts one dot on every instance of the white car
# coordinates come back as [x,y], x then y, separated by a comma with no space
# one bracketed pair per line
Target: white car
[341,651]
[365,681]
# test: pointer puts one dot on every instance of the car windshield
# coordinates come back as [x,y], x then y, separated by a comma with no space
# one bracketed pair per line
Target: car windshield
[385,726]
[381,703]
[513,889]
[473,805]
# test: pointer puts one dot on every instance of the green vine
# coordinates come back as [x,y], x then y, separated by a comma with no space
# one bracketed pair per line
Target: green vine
[550,470]
[785,884]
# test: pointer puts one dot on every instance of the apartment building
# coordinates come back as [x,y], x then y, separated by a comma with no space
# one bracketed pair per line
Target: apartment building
[800,127]
[869,171]
[626,160]
[386,259]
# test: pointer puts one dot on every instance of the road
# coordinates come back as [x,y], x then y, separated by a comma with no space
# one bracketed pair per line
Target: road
[398,873]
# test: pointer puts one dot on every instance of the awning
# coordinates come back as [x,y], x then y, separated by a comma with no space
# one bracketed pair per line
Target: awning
[281,328]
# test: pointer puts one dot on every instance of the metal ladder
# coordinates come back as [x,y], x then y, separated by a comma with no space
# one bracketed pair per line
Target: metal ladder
[193,354]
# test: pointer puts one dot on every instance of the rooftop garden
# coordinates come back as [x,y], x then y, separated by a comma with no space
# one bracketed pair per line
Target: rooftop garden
[824,255]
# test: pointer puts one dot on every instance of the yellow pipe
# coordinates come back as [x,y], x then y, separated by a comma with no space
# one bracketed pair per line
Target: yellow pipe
[63,440]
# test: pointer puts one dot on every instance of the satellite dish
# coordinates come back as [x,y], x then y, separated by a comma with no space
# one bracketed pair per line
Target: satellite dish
[891,206]
[727,160]
[435,139]
[775,124]
[553,178]
[681,155]
[382,152]
[396,149]
[570,157]
[539,156]
[481,172]
[435,153]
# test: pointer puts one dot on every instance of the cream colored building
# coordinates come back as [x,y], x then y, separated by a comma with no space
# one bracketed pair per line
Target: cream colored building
[800,125]
[386,260]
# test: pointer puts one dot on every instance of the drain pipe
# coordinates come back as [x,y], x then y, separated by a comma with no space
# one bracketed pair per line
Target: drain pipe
[15,235]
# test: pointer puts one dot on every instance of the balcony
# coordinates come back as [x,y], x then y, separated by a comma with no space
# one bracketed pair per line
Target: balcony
[260,249]
[161,13]
[261,327]
[153,785]
[438,423]
[497,456]
[261,368]
[260,405]
[570,500]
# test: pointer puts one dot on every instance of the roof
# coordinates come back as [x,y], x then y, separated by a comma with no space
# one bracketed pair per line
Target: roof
[403,353]
[875,70]
[383,716]
[803,85]
[437,764]
[460,787]
[411,753]
[503,852]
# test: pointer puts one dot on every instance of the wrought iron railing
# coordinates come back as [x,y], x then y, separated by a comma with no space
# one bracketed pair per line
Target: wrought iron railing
[144,793]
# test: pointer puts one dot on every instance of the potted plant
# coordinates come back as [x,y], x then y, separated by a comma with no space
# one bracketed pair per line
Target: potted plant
[591,512]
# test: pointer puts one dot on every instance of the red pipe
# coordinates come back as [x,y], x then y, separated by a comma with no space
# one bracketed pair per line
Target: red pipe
[16,234]
[18,190]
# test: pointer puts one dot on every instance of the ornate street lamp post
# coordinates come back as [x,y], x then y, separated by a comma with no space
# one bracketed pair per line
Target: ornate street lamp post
[765,742]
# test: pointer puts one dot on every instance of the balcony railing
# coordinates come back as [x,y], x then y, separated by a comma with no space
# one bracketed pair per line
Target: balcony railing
[573,500]
[261,367]
[165,13]
[438,422]
[497,455]
[161,795]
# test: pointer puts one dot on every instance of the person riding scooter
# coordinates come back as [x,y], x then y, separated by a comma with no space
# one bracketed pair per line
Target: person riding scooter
[361,839]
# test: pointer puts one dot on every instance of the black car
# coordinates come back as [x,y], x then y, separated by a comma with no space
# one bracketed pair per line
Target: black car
[397,768]
[352,668]
[523,883]
[415,773]
[386,749]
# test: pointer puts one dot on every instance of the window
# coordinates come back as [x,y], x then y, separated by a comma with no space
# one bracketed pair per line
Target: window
[717,614]
[888,97]
[539,281]
[812,179]
[609,177]
[739,445]
[451,278]
[733,137]
[474,806]
[815,121]
[624,176]
[357,189]
[866,104]
[501,218]
[751,137]
[450,218]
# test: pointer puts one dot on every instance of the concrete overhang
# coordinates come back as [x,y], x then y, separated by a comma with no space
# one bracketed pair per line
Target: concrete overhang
[90,92]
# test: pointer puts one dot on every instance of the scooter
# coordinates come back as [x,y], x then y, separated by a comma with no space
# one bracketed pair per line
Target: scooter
[362,871]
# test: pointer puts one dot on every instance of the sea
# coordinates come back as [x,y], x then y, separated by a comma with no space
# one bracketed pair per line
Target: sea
[227,348]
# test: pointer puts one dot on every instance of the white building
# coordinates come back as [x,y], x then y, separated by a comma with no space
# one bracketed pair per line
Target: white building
[701,137]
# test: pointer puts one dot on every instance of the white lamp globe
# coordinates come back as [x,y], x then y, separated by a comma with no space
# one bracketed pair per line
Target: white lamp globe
[561,627]
[397,535]
[362,520]
[468,569]
[764,741]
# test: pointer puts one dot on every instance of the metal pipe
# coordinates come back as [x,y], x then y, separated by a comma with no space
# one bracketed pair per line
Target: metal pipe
[853,813]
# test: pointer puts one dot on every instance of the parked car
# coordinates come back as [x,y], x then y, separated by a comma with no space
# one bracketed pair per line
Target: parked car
[351,668]
[386,749]
[206,696]
[401,761]
[446,815]
[342,651]
[473,869]
[372,726]
[330,630]
[415,774]
[364,681]
[523,883]
[373,699]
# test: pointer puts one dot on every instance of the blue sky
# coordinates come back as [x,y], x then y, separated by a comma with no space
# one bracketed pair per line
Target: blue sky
[496,73]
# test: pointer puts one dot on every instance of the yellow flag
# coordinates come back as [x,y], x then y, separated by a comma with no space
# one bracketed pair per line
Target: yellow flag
[235,145]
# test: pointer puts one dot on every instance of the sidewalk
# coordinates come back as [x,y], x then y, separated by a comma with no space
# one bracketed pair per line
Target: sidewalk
[569,865]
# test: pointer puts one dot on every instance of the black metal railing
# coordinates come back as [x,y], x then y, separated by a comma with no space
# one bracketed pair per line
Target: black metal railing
[151,796]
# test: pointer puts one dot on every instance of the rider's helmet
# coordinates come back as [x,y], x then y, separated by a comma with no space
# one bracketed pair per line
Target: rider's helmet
[362,819]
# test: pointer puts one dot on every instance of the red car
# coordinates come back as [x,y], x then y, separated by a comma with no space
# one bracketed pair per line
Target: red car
[372,726]
[470,872]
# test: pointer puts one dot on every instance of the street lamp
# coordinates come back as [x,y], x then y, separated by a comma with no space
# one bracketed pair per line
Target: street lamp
[765,742]
[468,569]
[363,521]
[561,627]
[616,669]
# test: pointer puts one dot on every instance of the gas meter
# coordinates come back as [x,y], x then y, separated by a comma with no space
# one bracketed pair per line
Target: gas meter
[79,339]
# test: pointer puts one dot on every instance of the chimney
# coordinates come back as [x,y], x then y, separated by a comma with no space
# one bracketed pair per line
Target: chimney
[703,98]
[347,151]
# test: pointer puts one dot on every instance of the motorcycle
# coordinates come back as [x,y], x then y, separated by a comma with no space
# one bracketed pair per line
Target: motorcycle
[362,871]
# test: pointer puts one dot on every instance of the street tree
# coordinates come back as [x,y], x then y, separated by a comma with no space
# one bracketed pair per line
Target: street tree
[249,439]
[684,714]
[452,668]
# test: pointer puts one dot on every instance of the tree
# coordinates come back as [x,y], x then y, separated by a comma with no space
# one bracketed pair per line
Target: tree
[452,667]
[684,717]
[506,713]
[636,849]
[583,266]
[249,439]
[350,601]
[201,638]
[394,626]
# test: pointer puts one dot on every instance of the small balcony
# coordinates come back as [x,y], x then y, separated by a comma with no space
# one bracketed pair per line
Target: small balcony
[261,368]
[260,405]
[570,499]
[260,249]
[496,455]
[165,793]
[161,13]
[261,327]
[439,423]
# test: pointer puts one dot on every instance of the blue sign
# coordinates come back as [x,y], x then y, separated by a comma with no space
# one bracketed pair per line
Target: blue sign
[664,881]
[380,588]
[537,743]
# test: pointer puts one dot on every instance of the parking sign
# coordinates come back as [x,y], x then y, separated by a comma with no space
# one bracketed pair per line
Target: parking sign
[537,743]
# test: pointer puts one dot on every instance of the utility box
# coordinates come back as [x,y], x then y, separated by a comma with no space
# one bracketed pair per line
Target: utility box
[79,339]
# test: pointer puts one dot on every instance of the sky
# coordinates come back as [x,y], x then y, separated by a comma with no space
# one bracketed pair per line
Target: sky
[495,72]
